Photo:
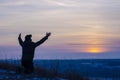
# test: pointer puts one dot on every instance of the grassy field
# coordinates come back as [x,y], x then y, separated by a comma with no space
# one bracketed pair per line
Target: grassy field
[9,70]
[88,69]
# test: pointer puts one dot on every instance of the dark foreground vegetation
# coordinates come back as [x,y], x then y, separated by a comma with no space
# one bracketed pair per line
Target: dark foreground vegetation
[40,72]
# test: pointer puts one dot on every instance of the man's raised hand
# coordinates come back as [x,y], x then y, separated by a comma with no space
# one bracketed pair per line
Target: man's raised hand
[48,34]
[19,35]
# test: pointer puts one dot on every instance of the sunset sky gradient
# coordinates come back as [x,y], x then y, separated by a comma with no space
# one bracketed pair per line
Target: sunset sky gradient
[80,28]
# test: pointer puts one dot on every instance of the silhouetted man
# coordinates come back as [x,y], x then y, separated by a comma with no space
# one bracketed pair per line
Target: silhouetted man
[28,49]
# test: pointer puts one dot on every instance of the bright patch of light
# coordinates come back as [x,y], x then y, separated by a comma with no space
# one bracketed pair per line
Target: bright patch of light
[94,50]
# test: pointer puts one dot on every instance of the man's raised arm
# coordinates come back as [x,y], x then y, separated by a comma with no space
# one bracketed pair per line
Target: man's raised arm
[20,40]
[43,39]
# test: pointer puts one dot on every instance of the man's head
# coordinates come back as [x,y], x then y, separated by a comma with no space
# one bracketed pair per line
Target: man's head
[28,37]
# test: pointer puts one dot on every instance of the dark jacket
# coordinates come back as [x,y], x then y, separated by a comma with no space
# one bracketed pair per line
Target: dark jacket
[28,48]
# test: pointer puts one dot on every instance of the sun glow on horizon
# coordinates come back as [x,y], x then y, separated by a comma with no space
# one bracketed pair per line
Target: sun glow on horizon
[94,50]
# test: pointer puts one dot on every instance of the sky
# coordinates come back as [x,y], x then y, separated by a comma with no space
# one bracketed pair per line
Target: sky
[81,29]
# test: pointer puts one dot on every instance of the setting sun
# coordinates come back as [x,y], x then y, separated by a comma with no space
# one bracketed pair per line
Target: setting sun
[94,50]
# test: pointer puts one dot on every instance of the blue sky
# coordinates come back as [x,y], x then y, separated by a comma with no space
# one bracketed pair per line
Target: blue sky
[80,28]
